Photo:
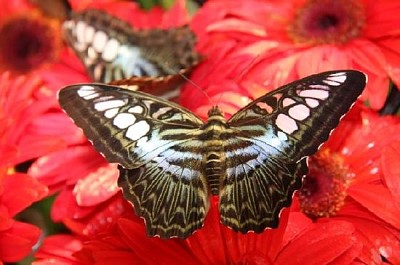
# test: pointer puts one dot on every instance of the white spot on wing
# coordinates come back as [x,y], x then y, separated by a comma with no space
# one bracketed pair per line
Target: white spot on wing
[137,130]
[110,50]
[124,120]
[314,93]
[331,82]
[99,41]
[91,96]
[136,109]
[105,105]
[312,102]
[84,91]
[111,113]
[286,124]
[80,31]
[265,106]
[92,54]
[324,87]
[338,77]
[89,33]
[287,102]
[299,112]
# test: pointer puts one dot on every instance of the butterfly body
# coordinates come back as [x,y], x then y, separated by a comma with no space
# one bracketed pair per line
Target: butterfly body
[171,161]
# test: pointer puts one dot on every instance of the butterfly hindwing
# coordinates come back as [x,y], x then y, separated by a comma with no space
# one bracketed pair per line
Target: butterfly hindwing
[169,194]
[111,50]
[273,136]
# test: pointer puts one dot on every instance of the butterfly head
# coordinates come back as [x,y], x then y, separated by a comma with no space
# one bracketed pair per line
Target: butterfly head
[215,114]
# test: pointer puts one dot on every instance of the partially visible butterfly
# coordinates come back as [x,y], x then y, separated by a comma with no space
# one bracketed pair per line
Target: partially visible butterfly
[111,50]
[171,162]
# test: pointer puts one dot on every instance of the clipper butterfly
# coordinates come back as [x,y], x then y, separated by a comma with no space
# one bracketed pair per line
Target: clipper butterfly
[172,162]
[113,52]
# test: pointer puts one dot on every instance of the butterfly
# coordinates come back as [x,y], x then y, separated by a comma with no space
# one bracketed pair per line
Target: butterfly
[112,50]
[172,162]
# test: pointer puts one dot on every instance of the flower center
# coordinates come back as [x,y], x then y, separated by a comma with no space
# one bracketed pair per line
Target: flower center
[28,42]
[324,188]
[327,21]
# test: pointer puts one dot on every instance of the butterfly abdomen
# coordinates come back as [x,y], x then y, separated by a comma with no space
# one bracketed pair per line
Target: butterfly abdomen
[215,157]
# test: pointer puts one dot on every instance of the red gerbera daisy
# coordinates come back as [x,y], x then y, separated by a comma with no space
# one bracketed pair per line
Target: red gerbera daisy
[352,179]
[278,42]
[30,39]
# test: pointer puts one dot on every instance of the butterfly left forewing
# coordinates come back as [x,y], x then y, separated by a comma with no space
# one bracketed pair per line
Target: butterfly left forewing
[128,127]
[272,136]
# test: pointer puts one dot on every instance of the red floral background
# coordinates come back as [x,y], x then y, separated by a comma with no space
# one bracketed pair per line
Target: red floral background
[59,199]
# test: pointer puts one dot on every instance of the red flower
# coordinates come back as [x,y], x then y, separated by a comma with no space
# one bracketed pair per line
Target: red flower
[352,179]
[270,44]
[33,41]
[17,191]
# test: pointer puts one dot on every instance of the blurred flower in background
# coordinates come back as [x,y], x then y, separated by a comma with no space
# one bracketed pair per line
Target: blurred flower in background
[348,210]
[31,40]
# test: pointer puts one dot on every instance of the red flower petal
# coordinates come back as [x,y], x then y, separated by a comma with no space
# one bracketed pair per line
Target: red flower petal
[20,191]
[17,242]
[391,169]
[5,219]
[322,243]
[378,200]
[98,186]
[170,252]
[58,249]
[55,169]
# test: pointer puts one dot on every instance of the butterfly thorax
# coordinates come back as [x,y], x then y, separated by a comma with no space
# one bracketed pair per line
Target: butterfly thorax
[212,133]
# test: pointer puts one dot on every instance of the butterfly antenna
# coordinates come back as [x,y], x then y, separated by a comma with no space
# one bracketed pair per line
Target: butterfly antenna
[192,83]
[241,74]
[198,87]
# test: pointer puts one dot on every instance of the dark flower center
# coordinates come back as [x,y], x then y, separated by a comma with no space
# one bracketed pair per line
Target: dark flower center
[27,43]
[324,188]
[327,21]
